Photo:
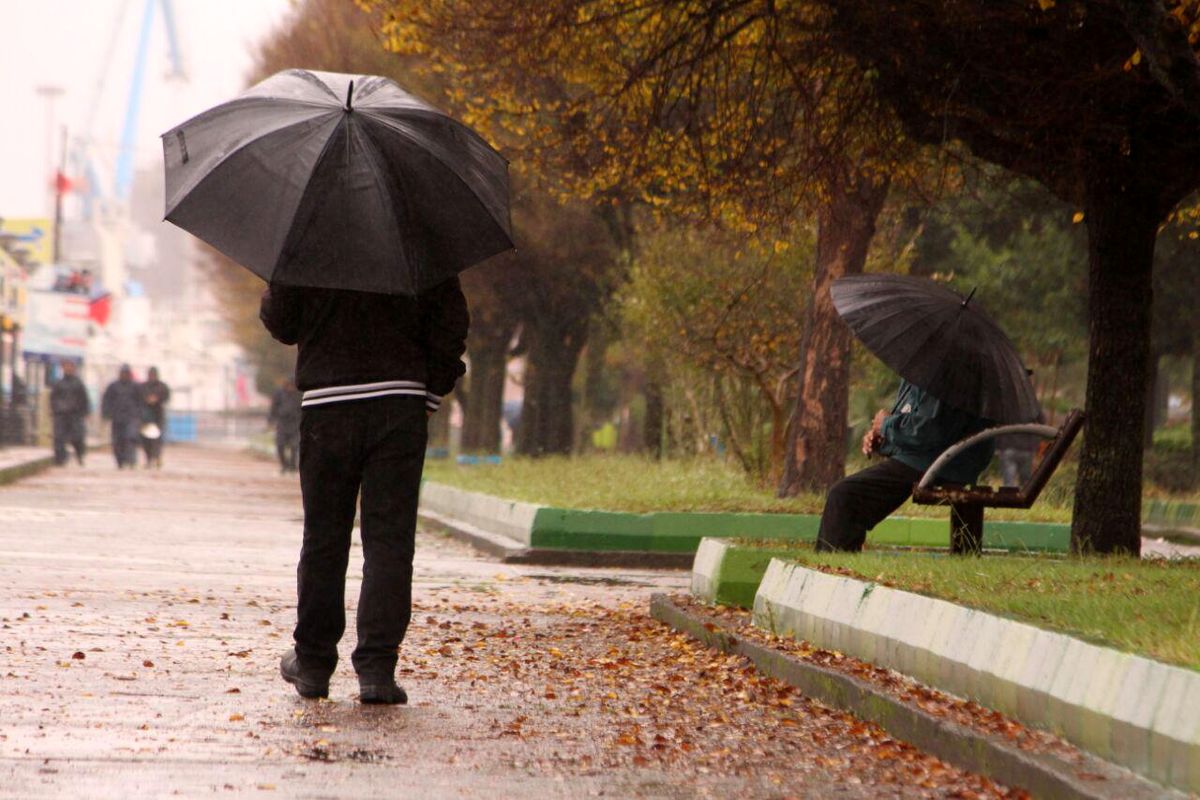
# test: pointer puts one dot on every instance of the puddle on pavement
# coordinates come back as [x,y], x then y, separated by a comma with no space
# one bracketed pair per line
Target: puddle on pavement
[588,580]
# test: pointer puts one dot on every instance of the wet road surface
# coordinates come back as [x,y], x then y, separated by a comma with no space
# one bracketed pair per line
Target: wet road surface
[142,616]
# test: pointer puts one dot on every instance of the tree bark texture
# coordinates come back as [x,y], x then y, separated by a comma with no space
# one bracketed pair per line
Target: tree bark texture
[487,355]
[1196,400]
[652,429]
[1122,226]
[439,426]
[547,415]
[816,432]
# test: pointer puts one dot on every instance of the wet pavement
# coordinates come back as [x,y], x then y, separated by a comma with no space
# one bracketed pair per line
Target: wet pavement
[142,616]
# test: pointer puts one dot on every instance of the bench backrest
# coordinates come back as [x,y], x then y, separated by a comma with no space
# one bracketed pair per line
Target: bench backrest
[1053,456]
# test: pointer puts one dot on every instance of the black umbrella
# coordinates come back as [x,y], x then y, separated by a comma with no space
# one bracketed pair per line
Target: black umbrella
[338,181]
[940,341]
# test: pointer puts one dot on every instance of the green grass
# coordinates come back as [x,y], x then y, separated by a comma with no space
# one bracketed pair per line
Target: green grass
[1149,607]
[620,483]
[640,485]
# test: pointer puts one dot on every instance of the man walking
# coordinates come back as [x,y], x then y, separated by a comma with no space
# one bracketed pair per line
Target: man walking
[371,368]
[122,404]
[285,416]
[70,405]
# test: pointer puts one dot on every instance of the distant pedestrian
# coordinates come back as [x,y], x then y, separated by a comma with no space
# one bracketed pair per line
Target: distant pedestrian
[371,368]
[285,416]
[70,405]
[155,395]
[122,405]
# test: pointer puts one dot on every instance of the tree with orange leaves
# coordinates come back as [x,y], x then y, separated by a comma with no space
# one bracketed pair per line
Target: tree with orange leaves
[731,110]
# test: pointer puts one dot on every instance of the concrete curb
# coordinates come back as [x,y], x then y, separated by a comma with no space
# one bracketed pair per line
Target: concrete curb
[1043,775]
[15,472]
[729,574]
[1139,713]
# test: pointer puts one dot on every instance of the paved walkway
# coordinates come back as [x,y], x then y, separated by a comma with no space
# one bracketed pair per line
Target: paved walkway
[142,615]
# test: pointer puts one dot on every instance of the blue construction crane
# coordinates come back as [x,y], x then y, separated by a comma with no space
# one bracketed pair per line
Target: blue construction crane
[123,171]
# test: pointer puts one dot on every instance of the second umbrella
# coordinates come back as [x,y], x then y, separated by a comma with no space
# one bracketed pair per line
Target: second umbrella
[940,341]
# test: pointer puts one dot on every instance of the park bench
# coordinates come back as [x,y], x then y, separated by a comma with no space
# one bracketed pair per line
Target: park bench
[968,502]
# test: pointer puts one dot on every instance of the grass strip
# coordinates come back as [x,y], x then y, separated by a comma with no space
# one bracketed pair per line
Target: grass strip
[641,485]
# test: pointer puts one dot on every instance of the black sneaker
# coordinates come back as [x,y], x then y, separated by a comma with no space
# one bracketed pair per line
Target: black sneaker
[307,682]
[381,691]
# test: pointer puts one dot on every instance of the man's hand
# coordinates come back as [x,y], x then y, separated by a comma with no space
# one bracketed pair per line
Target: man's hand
[873,438]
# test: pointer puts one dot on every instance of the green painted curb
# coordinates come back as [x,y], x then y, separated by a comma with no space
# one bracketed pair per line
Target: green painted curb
[678,532]
[740,573]
[1171,514]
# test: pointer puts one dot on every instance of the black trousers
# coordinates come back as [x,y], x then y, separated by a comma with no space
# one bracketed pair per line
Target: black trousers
[287,446]
[861,501]
[69,429]
[376,446]
[124,441]
[153,449]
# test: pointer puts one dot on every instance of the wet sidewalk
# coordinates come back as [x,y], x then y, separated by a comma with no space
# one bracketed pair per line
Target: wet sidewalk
[142,616]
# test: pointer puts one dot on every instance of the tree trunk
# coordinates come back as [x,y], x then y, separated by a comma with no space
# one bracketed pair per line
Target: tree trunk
[483,409]
[439,427]
[599,394]
[1108,496]
[1151,413]
[652,429]
[547,416]
[816,432]
[1195,400]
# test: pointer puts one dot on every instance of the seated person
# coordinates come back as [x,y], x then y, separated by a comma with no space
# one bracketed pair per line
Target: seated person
[919,429]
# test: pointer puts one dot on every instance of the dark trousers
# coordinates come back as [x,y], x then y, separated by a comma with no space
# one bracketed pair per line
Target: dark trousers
[153,449]
[861,501]
[376,446]
[69,429]
[124,442]
[287,446]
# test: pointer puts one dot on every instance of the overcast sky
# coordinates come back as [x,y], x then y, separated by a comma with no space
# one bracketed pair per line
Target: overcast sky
[64,43]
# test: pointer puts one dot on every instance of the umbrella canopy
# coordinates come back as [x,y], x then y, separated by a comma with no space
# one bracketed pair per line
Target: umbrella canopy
[940,341]
[338,181]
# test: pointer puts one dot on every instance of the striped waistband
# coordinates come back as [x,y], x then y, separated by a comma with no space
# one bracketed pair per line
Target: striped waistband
[365,391]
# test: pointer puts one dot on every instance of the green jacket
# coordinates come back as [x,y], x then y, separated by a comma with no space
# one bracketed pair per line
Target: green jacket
[921,427]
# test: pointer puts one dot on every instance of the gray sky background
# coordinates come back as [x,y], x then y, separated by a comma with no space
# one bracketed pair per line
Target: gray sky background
[64,43]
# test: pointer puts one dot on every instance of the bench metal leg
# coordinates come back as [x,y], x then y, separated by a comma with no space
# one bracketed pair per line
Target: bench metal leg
[966,529]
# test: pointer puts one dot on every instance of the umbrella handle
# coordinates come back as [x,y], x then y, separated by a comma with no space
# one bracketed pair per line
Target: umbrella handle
[350,105]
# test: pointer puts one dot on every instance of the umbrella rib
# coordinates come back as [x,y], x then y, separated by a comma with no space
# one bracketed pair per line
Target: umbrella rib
[283,250]
[505,226]
[182,191]
[377,160]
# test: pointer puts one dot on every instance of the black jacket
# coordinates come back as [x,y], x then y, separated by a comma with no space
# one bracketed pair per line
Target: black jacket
[155,396]
[68,396]
[122,402]
[350,338]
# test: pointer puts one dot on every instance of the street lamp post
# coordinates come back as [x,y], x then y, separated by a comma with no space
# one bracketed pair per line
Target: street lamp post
[49,94]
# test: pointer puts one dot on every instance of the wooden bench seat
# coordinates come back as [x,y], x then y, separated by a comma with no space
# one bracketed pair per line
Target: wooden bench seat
[968,502]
